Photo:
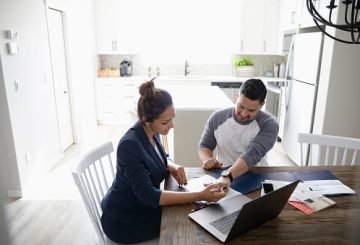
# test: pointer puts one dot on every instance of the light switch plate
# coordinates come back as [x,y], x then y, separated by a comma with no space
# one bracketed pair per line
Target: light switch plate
[10,34]
[13,48]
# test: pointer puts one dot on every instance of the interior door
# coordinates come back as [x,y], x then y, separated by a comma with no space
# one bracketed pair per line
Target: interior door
[60,76]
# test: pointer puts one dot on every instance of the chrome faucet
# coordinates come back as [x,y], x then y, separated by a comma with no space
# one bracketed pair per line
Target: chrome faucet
[187,69]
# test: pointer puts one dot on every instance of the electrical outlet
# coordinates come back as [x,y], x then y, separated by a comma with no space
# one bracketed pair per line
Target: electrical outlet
[27,157]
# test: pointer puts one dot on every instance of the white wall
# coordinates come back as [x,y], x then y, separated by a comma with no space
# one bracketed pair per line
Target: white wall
[7,147]
[342,107]
[4,232]
[31,108]
[31,126]
[337,111]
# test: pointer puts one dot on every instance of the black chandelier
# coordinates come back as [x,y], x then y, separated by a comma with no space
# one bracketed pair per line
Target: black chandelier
[350,23]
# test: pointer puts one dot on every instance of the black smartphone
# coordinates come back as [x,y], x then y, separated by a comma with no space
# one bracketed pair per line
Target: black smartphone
[268,187]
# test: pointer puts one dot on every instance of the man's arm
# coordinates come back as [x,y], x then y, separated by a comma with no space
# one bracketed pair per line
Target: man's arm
[208,160]
[257,149]
[238,168]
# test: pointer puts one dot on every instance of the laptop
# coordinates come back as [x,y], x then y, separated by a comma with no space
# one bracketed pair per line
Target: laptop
[232,217]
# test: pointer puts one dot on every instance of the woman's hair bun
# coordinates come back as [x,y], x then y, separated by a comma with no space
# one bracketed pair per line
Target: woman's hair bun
[147,89]
[152,102]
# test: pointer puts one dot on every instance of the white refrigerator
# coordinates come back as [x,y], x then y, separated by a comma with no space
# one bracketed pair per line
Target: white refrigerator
[303,71]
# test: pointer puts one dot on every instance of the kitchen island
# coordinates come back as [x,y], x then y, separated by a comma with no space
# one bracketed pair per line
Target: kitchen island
[193,106]
[116,97]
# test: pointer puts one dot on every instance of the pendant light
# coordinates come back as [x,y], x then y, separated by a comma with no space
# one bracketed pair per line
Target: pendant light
[349,24]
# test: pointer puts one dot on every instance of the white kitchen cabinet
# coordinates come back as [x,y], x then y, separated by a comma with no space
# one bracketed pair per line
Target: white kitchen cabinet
[104,18]
[114,28]
[116,100]
[306,19]
[259,27]
[290,12]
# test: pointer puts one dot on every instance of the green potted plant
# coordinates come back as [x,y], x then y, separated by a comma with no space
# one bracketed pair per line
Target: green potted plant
[244,67]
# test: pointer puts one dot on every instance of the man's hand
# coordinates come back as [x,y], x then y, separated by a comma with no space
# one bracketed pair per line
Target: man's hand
[211,163]
[178,172]
[224,182]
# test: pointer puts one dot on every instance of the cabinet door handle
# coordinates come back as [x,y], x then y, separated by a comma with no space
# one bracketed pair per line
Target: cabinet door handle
[242,45]
[114,45]
[293,17]
[264,46]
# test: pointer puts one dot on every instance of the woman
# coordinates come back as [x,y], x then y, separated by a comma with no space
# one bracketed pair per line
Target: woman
[132,207]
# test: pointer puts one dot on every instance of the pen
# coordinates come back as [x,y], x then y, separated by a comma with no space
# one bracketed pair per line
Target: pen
[218,189]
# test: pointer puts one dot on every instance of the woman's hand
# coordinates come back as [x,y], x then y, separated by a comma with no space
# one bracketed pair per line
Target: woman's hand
[212,163]
[213,192]
[178,172]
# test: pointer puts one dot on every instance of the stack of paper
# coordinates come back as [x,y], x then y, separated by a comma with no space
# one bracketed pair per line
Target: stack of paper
[329,187]
[198,184]
[303,198]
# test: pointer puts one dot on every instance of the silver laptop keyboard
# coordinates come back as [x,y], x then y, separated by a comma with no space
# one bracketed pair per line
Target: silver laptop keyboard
[225,223]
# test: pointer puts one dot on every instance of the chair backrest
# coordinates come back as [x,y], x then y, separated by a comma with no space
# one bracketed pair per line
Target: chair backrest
[93,175]
[328,150]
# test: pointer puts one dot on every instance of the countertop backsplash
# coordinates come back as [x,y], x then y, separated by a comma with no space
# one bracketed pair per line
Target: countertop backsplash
[263,64]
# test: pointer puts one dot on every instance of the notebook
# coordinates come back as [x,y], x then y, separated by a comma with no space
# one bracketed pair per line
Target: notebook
[228,219]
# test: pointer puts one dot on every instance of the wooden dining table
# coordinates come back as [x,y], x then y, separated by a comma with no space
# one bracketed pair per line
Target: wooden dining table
[339,224]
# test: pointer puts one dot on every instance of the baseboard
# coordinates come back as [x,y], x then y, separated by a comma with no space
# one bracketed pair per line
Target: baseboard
[15,194]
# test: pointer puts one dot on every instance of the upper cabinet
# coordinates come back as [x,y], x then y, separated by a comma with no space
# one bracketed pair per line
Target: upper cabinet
[106,38]
[306,19]
[290,13]
[113,24]
[260,27]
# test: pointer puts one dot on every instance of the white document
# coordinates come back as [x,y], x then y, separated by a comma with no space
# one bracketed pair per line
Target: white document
[314,200]
[305,194]
[329,187]
[322,187]
[198,184]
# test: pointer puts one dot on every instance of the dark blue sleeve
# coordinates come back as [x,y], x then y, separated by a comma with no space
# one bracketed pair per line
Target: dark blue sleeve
[131,159]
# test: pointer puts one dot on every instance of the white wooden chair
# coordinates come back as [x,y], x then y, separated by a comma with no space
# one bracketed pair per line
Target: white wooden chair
[328,150]
[93,175]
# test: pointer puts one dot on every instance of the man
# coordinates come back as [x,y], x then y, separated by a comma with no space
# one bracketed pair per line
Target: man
[242,135]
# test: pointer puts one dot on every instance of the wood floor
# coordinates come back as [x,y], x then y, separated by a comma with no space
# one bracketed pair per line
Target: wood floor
[35,222]
[51,211]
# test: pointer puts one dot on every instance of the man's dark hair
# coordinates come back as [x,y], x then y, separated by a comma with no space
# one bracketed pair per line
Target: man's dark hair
[254,89]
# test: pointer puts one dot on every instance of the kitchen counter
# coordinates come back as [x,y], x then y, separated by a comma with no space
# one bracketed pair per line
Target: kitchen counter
[197,97]
[190,78]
